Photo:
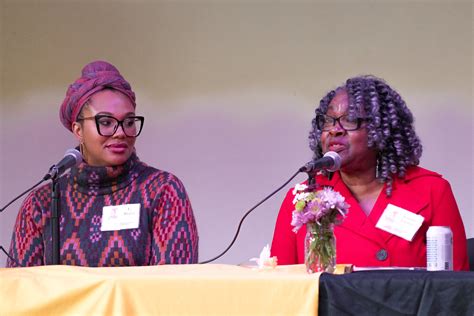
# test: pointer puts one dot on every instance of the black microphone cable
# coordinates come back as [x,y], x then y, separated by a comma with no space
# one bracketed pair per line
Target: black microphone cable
[9,203]
[246,214]
[55,171]
[9,257]
[19,196]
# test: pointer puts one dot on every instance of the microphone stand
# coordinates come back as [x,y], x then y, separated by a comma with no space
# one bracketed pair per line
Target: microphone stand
[311,180]
[55,214]
[55,220]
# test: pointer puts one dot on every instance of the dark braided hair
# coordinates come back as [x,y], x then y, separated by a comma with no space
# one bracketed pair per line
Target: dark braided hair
[389,126]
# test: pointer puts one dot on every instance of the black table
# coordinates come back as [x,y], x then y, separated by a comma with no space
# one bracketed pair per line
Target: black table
[397,292]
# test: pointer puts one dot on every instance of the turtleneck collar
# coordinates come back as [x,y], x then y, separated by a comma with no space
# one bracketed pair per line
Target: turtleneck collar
[93,180]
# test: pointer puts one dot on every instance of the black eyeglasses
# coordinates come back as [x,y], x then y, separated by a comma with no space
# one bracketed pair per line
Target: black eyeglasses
[107,125]
[326,122]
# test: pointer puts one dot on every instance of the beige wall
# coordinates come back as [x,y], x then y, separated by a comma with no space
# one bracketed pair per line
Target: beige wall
[229,89]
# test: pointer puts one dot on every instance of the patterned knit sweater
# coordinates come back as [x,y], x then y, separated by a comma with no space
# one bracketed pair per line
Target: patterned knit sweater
[166,231]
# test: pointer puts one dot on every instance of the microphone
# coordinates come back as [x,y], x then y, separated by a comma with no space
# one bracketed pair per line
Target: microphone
[331,161]
[71,158]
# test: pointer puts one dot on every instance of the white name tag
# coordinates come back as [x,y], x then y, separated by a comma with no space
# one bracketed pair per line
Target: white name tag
[120,217]
[400,222]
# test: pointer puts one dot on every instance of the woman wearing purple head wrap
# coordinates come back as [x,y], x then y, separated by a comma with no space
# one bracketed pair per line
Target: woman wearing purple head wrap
[115,209]
[371,128]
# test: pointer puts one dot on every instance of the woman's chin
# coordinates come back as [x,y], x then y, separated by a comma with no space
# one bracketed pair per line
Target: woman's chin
[117,160]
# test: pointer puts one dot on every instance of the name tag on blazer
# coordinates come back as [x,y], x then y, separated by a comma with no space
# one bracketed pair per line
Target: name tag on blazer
[400,222]
[118,217]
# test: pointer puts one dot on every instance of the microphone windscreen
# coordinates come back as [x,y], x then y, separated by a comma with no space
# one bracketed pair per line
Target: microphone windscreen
[337,160]
[76,154]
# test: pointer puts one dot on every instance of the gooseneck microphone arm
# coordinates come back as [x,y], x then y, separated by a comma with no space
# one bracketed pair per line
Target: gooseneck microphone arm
[331,161]
[246,214]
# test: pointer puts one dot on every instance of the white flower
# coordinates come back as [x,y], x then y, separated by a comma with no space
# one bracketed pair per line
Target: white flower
[264,260]
[300,197]
[299,187]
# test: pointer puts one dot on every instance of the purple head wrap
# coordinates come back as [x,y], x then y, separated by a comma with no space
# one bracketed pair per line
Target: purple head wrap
[96,76]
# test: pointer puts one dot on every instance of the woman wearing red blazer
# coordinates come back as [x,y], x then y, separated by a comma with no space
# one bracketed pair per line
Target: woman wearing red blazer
[369,125]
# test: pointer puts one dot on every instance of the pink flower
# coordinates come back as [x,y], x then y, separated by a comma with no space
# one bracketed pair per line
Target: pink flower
[325,205]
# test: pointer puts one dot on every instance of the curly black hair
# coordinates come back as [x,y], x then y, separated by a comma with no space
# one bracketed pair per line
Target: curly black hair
[390,125]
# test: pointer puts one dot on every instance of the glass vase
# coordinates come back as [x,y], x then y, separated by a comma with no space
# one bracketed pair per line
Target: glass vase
[320,248]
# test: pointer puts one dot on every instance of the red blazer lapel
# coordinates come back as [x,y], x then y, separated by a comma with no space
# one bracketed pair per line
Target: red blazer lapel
[356,219]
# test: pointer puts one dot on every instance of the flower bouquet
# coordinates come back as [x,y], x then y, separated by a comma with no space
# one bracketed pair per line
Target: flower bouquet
[320,211]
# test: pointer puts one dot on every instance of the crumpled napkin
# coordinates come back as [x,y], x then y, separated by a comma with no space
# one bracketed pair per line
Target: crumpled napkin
[264,260]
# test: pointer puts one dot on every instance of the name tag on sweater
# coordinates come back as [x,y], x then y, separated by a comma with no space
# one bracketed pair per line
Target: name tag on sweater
[120,217]
[400,222]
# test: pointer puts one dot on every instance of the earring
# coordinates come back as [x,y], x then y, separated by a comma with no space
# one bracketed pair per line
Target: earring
[378,167]
[81,150]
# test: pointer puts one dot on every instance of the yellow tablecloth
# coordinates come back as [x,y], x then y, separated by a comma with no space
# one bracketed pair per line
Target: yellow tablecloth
[212,289]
